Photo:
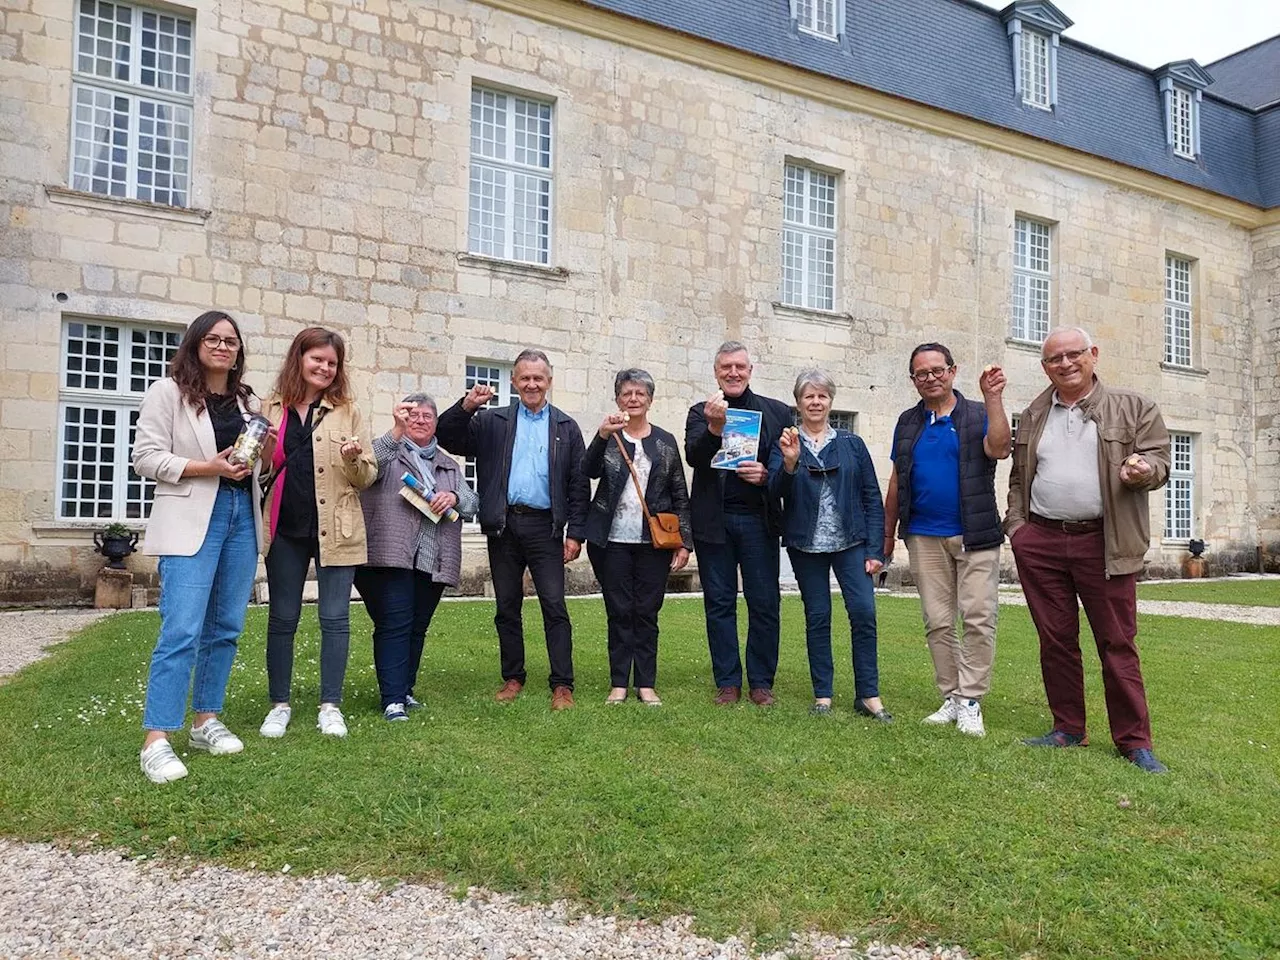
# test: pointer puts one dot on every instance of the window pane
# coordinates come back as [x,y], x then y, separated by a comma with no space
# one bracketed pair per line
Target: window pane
[793,267]
[93,355]
[487,202]
[793,183]
[1183,142]
[822,272]
[165,52]
[88,462]
[100,141]
[1035,68]
[140,492]
[488,124]
[532,133]
[104,34]
[164,147]
[150,354]
[531,218]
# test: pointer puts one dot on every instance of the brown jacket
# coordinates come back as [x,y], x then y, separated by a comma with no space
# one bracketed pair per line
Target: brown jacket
[1128,423]
[338,483]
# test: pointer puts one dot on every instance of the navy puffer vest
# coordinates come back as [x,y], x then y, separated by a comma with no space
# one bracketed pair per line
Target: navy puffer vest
[979,516]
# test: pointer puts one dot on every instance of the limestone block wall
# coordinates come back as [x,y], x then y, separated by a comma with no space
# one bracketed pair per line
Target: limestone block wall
[331,162]
[1266,309]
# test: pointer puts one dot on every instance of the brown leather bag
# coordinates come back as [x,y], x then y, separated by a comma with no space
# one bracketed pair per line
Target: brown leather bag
[664,528]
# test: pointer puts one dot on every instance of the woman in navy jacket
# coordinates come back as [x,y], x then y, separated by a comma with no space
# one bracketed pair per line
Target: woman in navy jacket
[832,519]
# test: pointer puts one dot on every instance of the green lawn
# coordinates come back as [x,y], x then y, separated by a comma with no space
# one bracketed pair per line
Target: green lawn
[1249,593]
[757,822]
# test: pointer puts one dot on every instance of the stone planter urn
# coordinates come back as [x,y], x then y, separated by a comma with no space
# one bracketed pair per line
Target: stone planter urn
[115,542]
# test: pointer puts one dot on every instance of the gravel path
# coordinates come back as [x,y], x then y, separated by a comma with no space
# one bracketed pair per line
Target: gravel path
[62,903]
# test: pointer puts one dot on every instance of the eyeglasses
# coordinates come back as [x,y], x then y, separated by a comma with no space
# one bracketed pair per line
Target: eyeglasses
[1068,356]
[422,417]
[213,342]
[924,376]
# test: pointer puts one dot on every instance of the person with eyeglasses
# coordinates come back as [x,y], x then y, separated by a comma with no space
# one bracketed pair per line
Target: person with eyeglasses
[412,557]
[1085,458]
[204,528]
[832,520]
[941,497]
[318,468]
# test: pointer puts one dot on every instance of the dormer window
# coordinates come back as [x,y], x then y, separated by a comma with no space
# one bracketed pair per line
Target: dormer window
[821,18]
[1180,86]
[1034,28]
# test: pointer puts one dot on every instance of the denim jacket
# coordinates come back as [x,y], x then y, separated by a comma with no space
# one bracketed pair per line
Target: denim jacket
[857,493]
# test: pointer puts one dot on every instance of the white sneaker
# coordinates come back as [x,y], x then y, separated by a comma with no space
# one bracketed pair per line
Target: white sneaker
[214,737]
[412,703]
[395,711]
[161,764]
[969,718]
[944,714]
[331,722]
[277,721]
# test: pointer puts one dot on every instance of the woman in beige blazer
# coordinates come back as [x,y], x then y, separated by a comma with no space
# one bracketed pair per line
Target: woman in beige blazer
[204,528]
[313,513]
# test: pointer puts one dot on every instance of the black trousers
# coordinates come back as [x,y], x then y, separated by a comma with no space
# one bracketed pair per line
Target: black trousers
[401,604]
[633,578]
[526,544]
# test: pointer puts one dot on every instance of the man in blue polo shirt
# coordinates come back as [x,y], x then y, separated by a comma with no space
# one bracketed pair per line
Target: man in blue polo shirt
[942,495]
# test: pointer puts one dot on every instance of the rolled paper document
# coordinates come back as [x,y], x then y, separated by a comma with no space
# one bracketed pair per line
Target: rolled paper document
[415,485]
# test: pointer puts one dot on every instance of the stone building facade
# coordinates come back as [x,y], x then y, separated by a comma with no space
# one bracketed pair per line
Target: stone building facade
[331,182]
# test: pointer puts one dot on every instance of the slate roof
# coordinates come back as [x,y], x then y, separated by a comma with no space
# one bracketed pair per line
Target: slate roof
[956,55]
[1250,77]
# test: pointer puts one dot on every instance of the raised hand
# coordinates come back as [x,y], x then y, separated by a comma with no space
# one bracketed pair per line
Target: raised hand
[401,413]
[1135,471]
[612,423]
[789,442]
[477,397]
[714,411]
[992,382]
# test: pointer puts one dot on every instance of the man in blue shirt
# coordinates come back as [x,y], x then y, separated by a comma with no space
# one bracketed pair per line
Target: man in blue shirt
[533,510]
[942,492]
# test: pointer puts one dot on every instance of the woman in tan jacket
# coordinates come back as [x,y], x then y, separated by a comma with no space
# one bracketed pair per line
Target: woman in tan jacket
[319,467]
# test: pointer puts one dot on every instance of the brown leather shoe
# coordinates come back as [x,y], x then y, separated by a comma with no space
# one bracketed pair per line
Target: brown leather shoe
[561,698]
[728,695]
[510,690]
[761,697]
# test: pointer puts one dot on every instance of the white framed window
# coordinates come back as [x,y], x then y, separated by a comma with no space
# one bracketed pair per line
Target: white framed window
[822,18]
[1031,311]
[1179,498]
[808,238]
[1034,64]
[840,419]
[1177,311]
[509,198]
[131,91]
[1181,123]
[106,368]
[492,374]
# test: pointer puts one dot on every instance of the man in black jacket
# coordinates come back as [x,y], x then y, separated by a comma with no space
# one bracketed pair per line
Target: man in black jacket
[942,494]
[736,525]
[533,510]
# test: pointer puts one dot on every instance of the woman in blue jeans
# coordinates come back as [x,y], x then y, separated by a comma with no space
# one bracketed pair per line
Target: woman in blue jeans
[832,520]
[412,557]
[203,527]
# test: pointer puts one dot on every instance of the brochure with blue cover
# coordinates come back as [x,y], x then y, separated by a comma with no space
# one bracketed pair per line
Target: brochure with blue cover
[740,441]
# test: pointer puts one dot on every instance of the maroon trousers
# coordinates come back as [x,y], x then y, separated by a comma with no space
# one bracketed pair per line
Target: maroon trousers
[1055,568]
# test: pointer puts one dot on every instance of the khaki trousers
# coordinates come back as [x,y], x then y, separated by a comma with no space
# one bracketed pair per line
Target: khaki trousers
[954,581]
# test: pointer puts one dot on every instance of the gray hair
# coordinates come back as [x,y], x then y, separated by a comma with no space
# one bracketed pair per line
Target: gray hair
[814,377]
[632,375]
[530,354]
[731,346]
[1056,331]
[422,400]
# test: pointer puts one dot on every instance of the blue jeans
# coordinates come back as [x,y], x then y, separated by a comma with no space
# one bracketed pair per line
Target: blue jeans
[748,545]
[401,604]
[203,599]
[813,573]
[286,564]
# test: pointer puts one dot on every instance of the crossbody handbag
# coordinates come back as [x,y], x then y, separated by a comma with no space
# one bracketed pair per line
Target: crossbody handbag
[269,480]
[664,528]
